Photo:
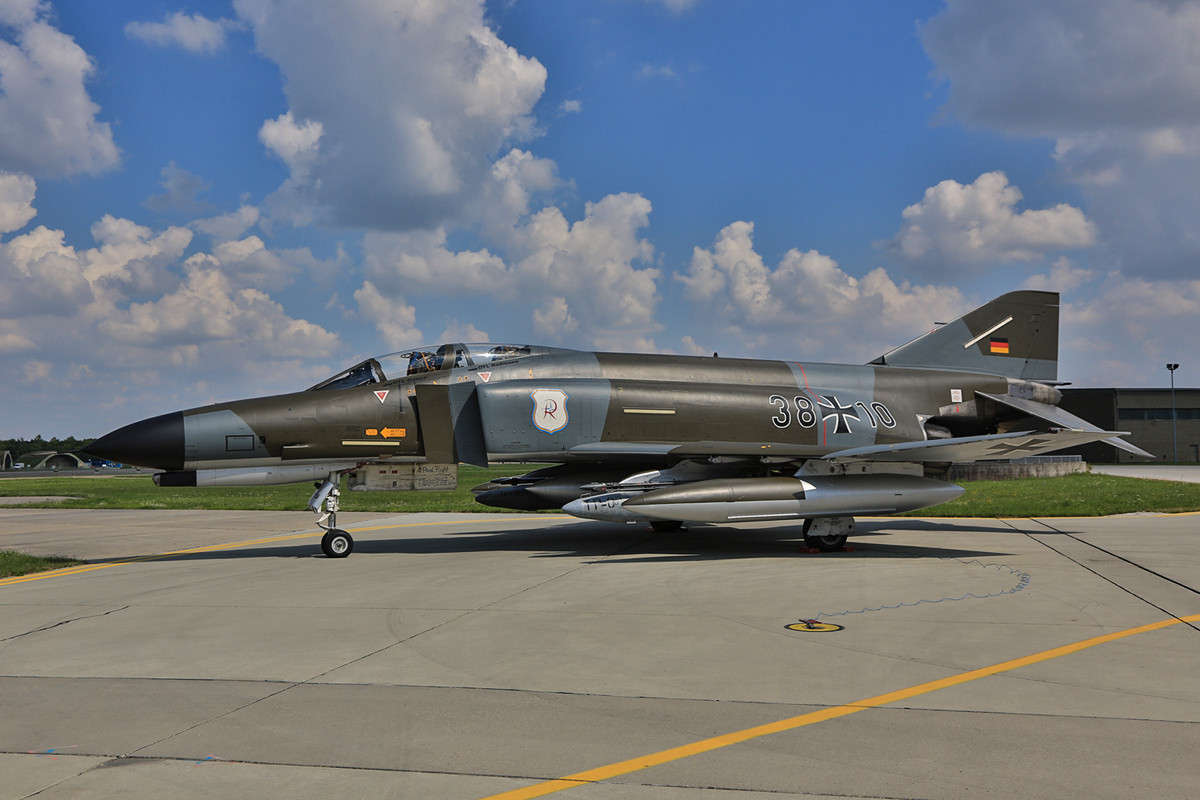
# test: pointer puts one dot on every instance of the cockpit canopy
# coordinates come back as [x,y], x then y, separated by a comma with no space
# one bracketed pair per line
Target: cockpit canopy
[427,359]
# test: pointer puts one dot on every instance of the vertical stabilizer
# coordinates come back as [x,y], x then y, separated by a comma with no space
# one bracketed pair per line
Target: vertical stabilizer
[1015,335]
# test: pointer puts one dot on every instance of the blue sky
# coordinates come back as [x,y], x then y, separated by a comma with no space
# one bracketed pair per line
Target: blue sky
[210,200]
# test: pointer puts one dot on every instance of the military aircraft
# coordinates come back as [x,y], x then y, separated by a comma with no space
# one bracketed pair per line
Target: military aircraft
[658,439]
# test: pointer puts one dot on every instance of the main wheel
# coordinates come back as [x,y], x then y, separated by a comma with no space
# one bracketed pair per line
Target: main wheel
[337,543]
[830,543]
[827,534]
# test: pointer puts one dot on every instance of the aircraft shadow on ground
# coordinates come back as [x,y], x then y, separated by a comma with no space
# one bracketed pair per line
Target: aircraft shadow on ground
[632,544]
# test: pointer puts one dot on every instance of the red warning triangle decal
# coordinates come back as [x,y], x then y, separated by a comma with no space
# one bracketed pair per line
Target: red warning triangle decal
[382,394]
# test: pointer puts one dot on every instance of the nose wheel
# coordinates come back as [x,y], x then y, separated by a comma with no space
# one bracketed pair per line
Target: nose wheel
[336,543]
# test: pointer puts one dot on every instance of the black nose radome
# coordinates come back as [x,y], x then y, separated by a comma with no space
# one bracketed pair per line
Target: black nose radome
[156,442]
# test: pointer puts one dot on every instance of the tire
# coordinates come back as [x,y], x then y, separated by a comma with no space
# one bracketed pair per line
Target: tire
[337,543]
[828,534]
[826,544]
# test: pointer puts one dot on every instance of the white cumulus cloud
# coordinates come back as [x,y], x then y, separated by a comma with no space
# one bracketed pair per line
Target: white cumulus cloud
[593,263]
[408,152]
[590,276]
[1124,329]
[419,261]
[296,143]
[182,191]
[20,12]
[958,225]
[1116,84]
[229,226]
[394,319]
[804,307]
[48,122]
[16,201]
[131,309]
[132,258]
[192,32]
[1048,67]
[207,309]
[41,275]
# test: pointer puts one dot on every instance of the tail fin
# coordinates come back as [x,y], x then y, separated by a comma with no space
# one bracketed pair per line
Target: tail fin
[1015,335]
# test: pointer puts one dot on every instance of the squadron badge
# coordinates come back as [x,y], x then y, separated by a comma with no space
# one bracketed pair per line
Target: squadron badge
[549,409]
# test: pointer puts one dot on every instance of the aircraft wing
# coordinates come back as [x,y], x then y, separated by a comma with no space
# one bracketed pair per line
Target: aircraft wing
[965,448]
[974,448]
[1058,416]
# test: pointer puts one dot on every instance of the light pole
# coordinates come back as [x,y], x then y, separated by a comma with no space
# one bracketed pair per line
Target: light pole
[1174,438]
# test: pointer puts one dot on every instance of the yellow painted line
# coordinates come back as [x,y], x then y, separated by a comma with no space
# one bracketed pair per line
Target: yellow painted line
[706,745]
[214,548]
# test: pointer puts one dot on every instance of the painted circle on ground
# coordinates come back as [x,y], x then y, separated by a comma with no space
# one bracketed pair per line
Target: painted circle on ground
[813,626]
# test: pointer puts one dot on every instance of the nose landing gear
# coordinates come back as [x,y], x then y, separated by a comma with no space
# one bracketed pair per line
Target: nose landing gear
[336,543]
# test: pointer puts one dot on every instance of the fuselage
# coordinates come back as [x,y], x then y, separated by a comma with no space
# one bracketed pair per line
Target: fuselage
[551,404]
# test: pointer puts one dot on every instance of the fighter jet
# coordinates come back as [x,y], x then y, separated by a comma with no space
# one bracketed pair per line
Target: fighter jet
[658,439]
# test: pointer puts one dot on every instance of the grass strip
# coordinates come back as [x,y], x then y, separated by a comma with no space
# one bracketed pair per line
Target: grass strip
[1081,494]
[139,492]
[13,563]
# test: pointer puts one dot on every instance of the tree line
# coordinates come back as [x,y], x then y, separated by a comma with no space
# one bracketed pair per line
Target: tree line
[19,447]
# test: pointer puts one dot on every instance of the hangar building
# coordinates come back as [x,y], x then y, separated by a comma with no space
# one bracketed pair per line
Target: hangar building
[1146,414]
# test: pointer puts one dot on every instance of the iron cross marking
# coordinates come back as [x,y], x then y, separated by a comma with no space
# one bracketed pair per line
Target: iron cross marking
[1004,448]
[839,411]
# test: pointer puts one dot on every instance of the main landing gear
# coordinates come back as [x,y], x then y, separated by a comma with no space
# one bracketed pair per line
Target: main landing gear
[828,534]
[336,543]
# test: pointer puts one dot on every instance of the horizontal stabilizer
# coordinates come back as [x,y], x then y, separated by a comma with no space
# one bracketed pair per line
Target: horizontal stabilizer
[1058,416]
[974,448]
